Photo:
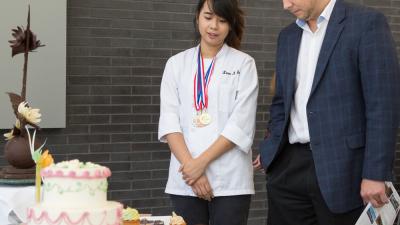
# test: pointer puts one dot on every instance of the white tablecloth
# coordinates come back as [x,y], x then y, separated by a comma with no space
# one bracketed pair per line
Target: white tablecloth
[14,202]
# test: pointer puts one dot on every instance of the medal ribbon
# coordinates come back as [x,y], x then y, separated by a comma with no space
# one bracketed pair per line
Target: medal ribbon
[201,82]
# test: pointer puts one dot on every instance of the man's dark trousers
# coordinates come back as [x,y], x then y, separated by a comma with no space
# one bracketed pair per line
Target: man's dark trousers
[294,197]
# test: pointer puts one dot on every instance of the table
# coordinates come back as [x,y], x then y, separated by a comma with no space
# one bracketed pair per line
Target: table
[14,202]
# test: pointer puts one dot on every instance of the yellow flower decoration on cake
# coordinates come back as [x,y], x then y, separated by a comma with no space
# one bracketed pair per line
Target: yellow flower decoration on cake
[45,159]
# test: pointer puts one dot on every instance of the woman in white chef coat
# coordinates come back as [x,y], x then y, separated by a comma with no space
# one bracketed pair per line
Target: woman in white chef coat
[207,116]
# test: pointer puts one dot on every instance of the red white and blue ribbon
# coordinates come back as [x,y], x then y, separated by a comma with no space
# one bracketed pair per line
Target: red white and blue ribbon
[201,81]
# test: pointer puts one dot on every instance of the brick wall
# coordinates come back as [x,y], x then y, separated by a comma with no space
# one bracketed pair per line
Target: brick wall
[116,51]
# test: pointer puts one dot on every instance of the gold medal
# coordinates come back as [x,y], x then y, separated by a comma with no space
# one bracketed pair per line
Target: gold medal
[205,118]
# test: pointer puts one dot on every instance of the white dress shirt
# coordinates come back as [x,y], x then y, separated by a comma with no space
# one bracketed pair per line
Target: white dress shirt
[310,48]
[233,91]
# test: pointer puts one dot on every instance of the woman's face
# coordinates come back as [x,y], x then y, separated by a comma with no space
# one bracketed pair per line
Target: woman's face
[213,29]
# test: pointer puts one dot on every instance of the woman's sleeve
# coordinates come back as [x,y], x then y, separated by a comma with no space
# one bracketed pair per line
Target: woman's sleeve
[169,103]
[240,127]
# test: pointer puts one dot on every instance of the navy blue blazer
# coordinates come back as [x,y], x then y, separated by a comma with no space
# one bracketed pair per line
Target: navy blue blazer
[353,110]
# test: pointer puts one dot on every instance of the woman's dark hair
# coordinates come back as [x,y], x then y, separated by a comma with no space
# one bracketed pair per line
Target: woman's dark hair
[231,12]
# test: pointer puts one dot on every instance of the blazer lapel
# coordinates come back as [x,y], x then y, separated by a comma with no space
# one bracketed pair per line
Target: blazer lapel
[333,31]
[292,53]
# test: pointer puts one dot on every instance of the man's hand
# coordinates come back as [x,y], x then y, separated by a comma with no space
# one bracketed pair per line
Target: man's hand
[193,169]
[257,164]
[202,188]
[374,192]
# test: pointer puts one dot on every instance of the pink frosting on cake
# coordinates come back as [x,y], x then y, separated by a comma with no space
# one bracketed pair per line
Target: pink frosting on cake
[44,217]
[103,172]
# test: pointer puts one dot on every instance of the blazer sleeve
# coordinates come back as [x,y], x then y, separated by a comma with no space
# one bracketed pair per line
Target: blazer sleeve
[380,80]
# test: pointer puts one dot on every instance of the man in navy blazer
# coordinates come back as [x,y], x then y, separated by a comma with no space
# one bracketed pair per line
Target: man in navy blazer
[335,114]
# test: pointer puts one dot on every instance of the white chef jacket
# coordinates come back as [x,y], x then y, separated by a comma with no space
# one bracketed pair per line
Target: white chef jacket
[232,103]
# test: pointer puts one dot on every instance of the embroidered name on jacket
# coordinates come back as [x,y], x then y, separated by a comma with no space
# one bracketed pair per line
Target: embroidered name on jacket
[237,72]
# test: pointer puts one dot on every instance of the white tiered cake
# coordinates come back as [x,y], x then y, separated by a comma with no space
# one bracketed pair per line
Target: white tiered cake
[75,193]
